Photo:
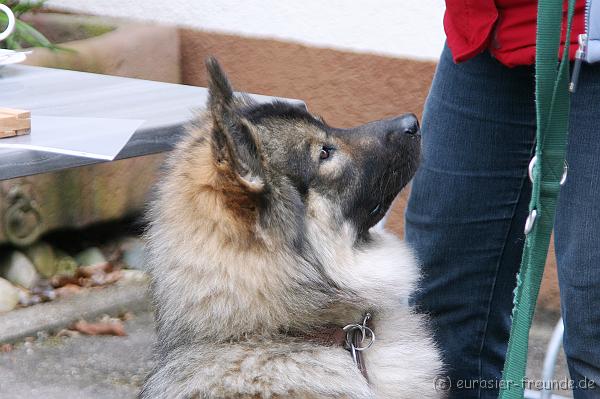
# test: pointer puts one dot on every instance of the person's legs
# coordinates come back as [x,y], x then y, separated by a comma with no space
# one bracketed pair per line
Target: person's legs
[577,236]
[467,209]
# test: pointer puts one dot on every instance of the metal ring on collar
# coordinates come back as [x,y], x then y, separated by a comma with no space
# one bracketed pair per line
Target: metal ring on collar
[530,221]
[370,336]
[532,163]
[366,332]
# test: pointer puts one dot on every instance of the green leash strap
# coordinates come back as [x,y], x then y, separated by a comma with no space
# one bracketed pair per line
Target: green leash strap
[552,107]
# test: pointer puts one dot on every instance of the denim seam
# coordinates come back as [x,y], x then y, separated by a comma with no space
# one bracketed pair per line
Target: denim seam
[491,297]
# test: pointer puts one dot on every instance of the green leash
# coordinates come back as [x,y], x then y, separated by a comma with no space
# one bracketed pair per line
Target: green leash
[546,170]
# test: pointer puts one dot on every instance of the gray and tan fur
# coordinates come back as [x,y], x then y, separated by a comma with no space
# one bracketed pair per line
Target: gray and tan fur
[260,234]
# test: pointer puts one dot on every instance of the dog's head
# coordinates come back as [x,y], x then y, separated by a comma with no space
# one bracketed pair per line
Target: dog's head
[280,158]
[282,164]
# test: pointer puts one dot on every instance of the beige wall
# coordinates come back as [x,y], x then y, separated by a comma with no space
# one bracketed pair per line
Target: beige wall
[400,28]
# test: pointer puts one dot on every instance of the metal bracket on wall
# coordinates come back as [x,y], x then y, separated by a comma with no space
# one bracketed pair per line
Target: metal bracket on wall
[22,219]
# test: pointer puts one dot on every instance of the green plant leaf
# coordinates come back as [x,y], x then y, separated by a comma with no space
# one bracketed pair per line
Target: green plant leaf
[23,7]
[12,44]
[26,34]
[30,35]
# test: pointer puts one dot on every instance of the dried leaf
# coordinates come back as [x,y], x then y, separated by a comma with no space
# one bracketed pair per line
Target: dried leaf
[100,328]
[68,290]
[60,281]
[90,271]
[90,276]
[5,348]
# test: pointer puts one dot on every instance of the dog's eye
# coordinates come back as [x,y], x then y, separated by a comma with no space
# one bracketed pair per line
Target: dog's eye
[325,152]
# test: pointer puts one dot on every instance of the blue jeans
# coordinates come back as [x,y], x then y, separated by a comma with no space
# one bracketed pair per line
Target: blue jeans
[467,210]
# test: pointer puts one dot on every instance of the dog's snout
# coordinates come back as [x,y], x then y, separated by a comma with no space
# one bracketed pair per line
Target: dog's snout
[408,124]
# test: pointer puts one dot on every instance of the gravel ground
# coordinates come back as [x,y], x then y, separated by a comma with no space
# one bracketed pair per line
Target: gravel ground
[114,367]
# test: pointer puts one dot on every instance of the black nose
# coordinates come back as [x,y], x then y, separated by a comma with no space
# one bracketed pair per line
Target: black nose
[400,126]
[408,124]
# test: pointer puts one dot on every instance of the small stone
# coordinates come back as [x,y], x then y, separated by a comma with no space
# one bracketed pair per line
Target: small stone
[89,257]
[24,296]
[42,256]
[133,253]
[44,291]
[126,316]
[133,276]
[42,336]
[28,345]
[65,265]
[68,333]
[18,269]
[50,294]
[35,299]
[9,296]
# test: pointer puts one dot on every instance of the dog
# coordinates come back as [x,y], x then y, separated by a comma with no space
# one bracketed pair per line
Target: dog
[261,250]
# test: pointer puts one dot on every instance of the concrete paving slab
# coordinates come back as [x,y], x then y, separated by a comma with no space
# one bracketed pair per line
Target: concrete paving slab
[98,367]
[56,315]
[89,367]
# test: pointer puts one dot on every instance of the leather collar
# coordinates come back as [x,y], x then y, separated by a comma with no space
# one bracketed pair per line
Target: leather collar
[351,337]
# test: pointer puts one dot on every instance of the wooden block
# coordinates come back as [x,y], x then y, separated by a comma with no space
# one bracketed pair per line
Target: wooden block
[10,133]
[8,123]
[14,122]
[19,113]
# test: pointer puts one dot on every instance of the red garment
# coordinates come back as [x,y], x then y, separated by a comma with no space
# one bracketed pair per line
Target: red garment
[504,27]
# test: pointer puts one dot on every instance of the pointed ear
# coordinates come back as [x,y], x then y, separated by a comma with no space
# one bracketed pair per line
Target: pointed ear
[219,89]
[235,143]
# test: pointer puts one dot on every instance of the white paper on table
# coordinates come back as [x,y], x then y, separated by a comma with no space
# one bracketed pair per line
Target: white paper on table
[99,138]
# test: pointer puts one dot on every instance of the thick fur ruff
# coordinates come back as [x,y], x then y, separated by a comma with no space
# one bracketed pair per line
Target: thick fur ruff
[240,258]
